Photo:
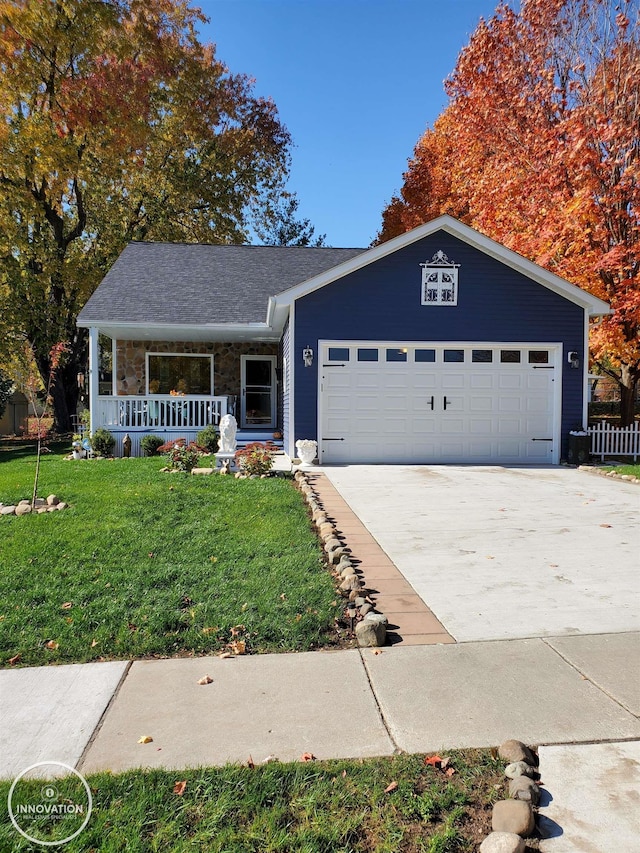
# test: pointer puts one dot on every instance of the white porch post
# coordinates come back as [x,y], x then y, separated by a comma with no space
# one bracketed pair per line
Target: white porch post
[94,377]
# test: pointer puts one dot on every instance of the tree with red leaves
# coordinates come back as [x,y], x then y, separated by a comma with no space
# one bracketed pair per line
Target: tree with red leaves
[539,148]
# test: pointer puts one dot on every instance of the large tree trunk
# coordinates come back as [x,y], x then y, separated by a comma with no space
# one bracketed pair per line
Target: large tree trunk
[628,393]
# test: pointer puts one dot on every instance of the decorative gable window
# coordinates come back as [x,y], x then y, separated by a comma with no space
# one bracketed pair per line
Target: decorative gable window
[439,281]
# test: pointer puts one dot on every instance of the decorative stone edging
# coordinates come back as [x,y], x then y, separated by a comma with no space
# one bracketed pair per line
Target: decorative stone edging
[612,475]
[370,626]
[42,505]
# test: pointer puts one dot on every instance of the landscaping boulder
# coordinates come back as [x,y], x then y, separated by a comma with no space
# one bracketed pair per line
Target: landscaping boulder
[518,768]
[53,500]
[8,510]
[23,509]
[512,816]
[515,750]
[524,788]
[370,633]
[502,842]
[350,583]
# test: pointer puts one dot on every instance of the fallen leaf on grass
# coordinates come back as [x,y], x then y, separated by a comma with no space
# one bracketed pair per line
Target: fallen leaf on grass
[307,756]
[283,596]
[206,679]
[391,787]
[67,605]
[449,771]
[237,629]
[433,760]
[94,643]
[15,659]
[239,647]
[145,739]
[179,787]
[53,645]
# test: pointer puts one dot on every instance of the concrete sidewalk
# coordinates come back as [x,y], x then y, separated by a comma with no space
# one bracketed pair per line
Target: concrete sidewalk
[334,704]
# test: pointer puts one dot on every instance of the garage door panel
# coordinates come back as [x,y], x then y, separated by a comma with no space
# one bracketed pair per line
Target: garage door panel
[438,411]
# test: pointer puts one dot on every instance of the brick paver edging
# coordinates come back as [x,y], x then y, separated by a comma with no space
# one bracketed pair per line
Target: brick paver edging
[411,622]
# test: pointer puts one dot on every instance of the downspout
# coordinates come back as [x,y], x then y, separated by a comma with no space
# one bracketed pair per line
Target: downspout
[94,377]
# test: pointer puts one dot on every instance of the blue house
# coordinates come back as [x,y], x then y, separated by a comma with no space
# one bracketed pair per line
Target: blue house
[439,346]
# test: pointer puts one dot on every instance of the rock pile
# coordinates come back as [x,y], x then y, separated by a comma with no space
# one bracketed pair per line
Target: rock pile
[23,507]
[513,820]
[370,627]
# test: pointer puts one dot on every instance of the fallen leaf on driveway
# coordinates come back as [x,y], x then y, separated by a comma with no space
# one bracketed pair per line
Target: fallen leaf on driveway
[206,679]
[376,651]
[250,763]
[145,739]
[606,525]
[179,787]
[307,756]
[225,655]
[391,787]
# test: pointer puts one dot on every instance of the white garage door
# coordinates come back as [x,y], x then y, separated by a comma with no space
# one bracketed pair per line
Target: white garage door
[431,403]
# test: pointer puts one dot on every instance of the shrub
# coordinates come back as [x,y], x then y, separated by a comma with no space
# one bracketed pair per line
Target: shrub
[208,439]
[256,458]
[183,457]
[150,444]
[102,442]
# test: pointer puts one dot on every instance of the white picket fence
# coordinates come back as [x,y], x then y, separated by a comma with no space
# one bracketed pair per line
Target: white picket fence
[607,440]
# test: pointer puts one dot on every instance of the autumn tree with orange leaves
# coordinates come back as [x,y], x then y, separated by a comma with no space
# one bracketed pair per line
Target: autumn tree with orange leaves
[539,148]
[116,124]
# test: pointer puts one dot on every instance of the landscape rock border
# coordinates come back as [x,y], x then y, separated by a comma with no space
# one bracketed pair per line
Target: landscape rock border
[369,626]
[612,475]
[52,503]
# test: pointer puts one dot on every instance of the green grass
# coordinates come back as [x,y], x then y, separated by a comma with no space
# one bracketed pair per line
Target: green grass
[316,807]
[630,470]
[145,563]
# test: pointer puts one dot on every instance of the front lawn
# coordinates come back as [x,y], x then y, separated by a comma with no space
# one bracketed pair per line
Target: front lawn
[384,805]
[145,563]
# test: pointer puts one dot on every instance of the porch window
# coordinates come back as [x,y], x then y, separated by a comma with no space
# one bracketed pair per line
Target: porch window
[184,374]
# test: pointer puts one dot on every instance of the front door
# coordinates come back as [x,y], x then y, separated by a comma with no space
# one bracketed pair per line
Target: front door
[258,397]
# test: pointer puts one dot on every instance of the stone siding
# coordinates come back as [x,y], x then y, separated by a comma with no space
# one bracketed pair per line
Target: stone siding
[131,362]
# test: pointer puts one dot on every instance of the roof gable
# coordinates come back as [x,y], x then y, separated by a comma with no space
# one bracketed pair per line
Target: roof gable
[468,235]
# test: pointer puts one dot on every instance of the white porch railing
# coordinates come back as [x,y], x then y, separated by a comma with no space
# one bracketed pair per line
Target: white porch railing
[607,440]
[159,412]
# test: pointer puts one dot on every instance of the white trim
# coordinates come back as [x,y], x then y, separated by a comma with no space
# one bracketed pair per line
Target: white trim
[468,235]
[291,447]
[243,388]
[178,355]
[114,373]
[556,359]
[94,372]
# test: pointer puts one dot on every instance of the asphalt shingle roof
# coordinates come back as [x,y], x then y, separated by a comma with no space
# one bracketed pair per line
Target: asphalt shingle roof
[184,283]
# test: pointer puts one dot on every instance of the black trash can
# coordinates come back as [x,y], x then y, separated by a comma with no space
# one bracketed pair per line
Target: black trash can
[579,449]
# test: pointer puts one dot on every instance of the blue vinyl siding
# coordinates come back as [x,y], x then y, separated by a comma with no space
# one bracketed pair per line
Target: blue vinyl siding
[383,302]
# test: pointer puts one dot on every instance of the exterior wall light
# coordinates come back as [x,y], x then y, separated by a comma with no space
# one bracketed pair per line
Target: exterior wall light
[574,359]
[307,356]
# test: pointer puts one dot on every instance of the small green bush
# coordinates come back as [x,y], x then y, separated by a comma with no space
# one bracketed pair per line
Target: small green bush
[102,442]
[150,444]
[207,439]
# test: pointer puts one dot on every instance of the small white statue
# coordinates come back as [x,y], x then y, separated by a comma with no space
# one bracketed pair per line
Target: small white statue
[307,449]
[228,428]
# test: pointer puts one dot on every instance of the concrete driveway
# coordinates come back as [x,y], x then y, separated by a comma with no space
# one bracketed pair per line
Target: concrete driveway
[505,553]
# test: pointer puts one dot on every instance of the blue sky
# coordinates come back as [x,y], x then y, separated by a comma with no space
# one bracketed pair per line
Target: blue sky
[356,82]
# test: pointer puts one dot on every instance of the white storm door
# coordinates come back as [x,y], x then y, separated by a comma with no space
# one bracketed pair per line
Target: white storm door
[258,392]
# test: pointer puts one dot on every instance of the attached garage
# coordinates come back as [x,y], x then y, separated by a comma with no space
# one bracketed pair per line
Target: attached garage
[380,401]
[440,346]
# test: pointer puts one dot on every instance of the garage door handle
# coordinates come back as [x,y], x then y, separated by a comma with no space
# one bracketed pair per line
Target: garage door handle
[445,403]
[431,403]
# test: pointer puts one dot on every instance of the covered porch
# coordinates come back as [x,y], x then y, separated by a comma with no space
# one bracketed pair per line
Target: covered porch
[175,388]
